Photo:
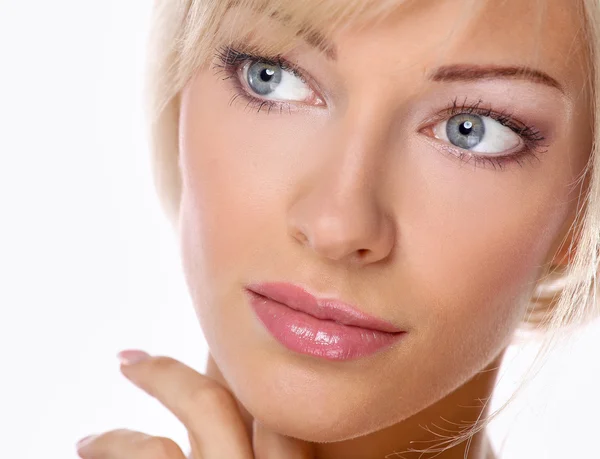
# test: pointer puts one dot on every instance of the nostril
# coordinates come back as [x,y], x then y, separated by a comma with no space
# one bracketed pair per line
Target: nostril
[360,255]
[300,237]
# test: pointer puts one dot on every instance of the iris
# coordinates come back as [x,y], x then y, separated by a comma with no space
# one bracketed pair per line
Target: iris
[465,130]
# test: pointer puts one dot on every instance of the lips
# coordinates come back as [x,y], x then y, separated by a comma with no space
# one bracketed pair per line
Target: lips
[320,327]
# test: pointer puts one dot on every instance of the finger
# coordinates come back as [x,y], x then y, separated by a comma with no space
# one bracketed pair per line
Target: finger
[271,445]
[206,408]
[129,444]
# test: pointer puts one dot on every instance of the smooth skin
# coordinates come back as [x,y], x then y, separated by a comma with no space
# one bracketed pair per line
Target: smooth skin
[217,433]
[358,199]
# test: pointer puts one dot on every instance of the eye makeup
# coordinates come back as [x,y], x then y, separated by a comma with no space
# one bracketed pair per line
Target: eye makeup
[531,147]
[230,62]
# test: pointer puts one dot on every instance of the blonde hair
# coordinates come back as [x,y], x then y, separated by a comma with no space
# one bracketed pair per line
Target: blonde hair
[183,37]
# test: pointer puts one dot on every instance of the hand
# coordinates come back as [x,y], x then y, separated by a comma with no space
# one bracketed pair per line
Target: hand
[207,410]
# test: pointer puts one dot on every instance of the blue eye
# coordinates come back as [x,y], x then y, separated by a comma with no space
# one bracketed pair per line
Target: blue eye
[465,131]
[480,134]
[273,82]
[263,78]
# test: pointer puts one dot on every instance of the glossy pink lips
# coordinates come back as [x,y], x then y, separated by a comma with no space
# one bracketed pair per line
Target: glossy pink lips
[323,328]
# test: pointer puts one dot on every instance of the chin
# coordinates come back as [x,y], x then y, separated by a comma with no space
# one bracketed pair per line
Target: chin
[320,415]
[312,425]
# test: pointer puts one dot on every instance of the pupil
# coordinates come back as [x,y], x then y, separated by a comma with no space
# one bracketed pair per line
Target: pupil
[267,74]
[466,128]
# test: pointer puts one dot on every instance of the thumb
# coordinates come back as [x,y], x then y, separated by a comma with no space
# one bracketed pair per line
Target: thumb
[271,445]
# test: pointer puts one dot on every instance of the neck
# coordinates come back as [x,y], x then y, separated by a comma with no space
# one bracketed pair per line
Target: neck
[422,430]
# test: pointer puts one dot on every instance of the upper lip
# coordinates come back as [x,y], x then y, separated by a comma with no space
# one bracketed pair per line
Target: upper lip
[322,308]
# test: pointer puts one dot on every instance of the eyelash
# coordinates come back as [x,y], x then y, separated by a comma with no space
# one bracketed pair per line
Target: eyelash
[229,61]
[531,136]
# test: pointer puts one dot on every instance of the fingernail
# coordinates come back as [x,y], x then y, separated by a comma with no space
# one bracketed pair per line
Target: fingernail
[130,357]
[85,441]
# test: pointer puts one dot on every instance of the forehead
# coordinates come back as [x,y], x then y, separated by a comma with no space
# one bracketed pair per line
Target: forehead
[549,35]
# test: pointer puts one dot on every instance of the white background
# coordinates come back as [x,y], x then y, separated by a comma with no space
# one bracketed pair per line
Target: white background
[89,265]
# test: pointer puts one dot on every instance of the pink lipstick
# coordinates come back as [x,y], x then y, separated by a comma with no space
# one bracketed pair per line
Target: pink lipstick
[320,327]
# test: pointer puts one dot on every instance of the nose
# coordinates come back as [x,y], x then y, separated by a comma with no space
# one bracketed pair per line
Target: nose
[340,214]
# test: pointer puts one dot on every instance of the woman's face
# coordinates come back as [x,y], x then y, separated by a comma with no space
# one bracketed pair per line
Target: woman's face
[416,176]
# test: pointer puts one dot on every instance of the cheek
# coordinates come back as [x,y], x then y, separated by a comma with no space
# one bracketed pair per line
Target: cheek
[232,213]
[476,241]
[229,192]
[237,170]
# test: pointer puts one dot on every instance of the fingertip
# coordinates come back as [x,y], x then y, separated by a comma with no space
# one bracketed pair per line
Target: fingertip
[132,356]
[81,444]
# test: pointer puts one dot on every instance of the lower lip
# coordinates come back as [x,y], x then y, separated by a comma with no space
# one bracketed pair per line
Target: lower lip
[303,333]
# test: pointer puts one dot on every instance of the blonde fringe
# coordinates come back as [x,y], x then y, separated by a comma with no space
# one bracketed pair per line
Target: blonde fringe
[184,34]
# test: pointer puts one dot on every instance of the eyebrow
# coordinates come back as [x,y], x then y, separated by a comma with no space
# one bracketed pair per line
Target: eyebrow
[474,72]
[317,40]
[313,37]
[450,73]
